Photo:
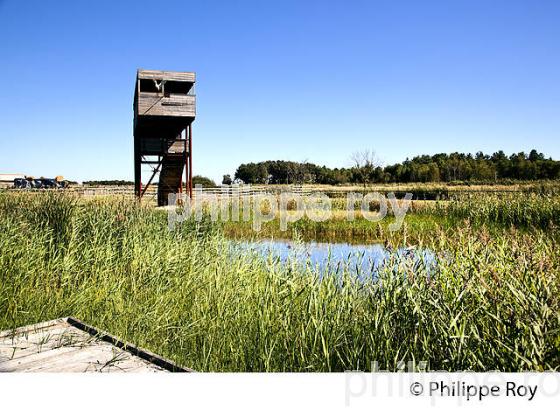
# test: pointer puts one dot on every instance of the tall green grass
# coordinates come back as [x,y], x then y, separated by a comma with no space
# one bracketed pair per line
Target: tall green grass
[492,303]
[360,230]
[519,210]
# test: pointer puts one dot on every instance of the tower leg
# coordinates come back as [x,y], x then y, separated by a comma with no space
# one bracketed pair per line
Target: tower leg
[181,177]
[190,161]
[137,169]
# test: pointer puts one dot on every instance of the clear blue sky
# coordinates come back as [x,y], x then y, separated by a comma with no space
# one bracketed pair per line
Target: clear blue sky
[297,80]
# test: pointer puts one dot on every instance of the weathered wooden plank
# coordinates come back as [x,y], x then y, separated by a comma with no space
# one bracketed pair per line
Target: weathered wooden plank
[167,75]
[37,360]
[172,106]
[102,358]
[71,337]
[106,361]
[33,328]
[177,147]
[61,334]
[93,357]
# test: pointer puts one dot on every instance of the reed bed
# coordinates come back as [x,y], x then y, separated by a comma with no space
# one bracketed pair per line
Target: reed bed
[529,210]
[490,304]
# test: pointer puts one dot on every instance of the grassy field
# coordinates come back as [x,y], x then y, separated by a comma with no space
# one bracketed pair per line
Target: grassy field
[492,302]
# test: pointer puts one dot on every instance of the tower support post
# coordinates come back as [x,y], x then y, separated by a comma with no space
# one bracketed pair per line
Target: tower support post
[190,161]
[137,169]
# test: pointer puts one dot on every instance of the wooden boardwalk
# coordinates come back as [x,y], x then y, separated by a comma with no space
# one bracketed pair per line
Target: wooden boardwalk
[69,345]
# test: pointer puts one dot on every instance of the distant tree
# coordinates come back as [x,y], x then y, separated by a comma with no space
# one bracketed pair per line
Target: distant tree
[364,163]
[253,173]
[244,173]
[433,173]
[535,156]
[262,175]
[205,182]
[484,170]
[226,180]
[480,156]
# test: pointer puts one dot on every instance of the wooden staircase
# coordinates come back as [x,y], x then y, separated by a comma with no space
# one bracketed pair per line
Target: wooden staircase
[170,178]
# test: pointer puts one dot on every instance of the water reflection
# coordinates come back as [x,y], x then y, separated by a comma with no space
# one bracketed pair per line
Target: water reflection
[365,260]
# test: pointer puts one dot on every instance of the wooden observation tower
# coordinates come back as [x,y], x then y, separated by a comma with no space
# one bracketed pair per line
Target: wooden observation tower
[164,109]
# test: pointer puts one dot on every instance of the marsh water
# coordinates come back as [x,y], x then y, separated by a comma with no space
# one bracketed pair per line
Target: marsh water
[364,259]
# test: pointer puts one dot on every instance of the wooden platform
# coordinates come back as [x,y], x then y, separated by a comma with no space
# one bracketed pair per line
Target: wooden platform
[69,345]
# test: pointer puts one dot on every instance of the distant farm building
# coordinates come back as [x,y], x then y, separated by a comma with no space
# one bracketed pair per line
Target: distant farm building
[7,180]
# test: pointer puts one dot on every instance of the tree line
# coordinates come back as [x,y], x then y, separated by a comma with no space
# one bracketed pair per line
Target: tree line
[423,168]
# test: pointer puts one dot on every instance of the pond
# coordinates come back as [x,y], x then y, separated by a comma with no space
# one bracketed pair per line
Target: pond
[365,260]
